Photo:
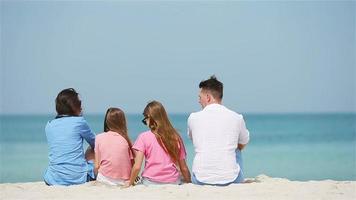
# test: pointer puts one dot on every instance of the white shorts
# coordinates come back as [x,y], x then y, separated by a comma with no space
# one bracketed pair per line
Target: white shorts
[103,179]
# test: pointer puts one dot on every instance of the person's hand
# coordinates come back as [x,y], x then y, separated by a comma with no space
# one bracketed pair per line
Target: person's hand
[137,180]
[241,146]
[89,154]
[126,185]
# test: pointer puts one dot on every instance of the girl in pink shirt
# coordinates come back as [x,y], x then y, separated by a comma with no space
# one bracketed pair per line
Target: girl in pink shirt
[113,153]
[163,150]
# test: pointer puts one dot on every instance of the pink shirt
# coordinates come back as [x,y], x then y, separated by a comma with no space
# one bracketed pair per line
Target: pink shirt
[158,164]
[114,155]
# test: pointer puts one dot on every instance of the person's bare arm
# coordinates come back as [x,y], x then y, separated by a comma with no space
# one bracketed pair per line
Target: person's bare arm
[184,170]
[89,154]
[96,163]
[241,146]
[135,169]
[132,156]
[244,136]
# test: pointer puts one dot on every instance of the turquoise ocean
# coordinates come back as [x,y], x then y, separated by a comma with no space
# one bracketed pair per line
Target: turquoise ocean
[294,146]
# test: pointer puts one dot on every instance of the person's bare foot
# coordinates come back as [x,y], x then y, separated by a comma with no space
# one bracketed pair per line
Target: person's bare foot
[250,181]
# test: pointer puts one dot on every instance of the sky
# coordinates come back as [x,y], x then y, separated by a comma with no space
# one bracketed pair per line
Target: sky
[273,57]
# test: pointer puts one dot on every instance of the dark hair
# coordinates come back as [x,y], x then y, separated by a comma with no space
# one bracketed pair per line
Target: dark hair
[68,103]
[214,86]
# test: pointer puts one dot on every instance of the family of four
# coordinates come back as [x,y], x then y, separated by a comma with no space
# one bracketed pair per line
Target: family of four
[218,135]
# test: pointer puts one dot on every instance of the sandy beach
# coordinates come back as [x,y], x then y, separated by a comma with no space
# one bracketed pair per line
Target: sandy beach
[262,187]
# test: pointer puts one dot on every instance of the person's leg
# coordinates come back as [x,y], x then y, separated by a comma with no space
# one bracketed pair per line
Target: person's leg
[195,180]
[146,182]
[90,156]
[240,177]
[239,159]
[46,183]
[109,181]
[90,171]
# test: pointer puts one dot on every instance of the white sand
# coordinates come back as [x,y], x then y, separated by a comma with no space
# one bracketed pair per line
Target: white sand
[264,188]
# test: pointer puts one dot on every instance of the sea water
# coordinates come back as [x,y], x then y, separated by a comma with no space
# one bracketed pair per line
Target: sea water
[294,146]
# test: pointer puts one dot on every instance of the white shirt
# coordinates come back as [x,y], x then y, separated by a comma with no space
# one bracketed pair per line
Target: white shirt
[216,131]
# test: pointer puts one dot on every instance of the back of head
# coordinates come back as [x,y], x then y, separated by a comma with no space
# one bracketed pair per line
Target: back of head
[159,123]
[115,120]
[213,86]
[68,103]
[157,115]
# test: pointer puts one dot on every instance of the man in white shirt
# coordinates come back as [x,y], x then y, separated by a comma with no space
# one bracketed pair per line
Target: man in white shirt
[218,136]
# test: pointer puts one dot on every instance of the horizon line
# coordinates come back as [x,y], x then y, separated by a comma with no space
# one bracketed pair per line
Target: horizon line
[185,113]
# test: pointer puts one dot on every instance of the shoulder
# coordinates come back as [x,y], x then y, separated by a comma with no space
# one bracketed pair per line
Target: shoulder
[66,122]
[145,135]
[142,140]
[100,136]
[80,122]
[190,117]
[233,114]
[70,119]
[50,123]
[79,119]
[194,115]
[118,137]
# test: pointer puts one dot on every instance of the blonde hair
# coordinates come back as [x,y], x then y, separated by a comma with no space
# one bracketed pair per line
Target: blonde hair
[166,135]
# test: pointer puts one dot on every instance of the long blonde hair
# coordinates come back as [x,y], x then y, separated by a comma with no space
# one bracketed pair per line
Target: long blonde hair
[115,120]
[166,135]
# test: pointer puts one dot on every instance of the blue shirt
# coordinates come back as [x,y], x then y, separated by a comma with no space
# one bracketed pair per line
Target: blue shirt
[67,164]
